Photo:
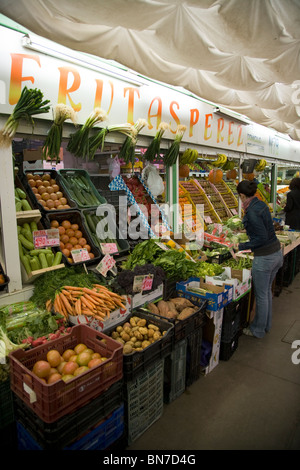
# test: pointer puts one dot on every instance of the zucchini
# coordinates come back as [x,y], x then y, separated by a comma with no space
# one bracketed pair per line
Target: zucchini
[26,205]
[27,234]
[43,261]
[21,194]
[37,261]
[90,223]
[50,258]
[26,226]
[33,226]
[36,252]
[18,206]
[26,264]
[57,258]
[34,264]
[25,242]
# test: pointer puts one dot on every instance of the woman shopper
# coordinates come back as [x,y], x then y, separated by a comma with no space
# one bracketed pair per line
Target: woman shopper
[268,257]
[292,207]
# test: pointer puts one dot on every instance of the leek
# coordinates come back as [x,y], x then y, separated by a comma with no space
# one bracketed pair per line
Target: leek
[97,140]
[173,152]
[53,140]
[127,150]
[153,150]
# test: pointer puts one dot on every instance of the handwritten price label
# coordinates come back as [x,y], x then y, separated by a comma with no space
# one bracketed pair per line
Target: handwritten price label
[106,264]
[45,238]
[80,255]
[142,283]
[108,248]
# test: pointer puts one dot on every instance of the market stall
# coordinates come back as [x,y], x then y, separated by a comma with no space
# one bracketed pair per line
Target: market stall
[117,265]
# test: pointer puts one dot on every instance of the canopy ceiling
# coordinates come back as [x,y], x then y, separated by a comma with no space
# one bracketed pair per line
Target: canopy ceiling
[242,54]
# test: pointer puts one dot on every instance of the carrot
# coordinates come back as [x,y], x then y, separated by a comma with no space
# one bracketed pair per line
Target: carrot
[87,303]
[66,303]
[78,306]
[73,288]
[61,307]
[66,293]
[49,305]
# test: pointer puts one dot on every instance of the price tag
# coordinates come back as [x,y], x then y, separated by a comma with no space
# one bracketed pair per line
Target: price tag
[45,238]
[79,255]
[142,283]
[234,212]
[108,248]
[106,264]
[207,219]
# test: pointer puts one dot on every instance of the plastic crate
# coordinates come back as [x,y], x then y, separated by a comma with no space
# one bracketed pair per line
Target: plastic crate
[75,217]
[51,402]
[34,201]
[139,361]
[66,430]
[227,348]
[219,259]
[123,245]
[231,320]
[144,401]
[174,372]
[99,438]
[193,357]
[65,179]
[6,405]
[8,437]
[112,197]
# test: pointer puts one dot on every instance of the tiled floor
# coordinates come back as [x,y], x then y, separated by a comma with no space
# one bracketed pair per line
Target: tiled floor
[251,401]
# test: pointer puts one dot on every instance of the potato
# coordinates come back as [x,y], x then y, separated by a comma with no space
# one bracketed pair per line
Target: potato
[138,335]
[115,335]
[150,332]
[142,322]
[126,324]
[127,329]
[127,349]
[157,335]
[138,344]
[132,321]
[120,340]
[143,330]
[119,328]
[152,308]
[153,327]
[185,313]
[125,336]
[145,344]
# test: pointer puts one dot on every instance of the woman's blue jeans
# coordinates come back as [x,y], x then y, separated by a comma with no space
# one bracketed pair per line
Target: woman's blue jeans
[264,269]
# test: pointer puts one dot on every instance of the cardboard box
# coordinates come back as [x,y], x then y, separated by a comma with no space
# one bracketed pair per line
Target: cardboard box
[218,298]
[240,280]
[115,317]
[212,331]
[138,300]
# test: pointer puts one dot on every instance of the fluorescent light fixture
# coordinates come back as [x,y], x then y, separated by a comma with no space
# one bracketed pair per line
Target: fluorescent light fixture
[82,59]
[232,115]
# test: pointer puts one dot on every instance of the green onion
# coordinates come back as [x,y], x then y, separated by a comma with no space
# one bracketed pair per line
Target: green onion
[127,151]
[173,152]
[30,103]
[153,150]
[97,140]
[79,141]
[53,140]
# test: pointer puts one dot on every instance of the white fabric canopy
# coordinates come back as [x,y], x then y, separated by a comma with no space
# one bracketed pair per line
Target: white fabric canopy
[242,54]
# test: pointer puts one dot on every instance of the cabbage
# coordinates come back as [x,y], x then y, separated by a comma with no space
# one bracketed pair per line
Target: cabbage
[234,223]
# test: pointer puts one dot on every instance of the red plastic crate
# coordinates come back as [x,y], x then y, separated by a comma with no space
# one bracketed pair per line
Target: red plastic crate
[51,402]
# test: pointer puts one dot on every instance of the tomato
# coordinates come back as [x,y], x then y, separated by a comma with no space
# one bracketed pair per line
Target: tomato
[53,357]
[41,369]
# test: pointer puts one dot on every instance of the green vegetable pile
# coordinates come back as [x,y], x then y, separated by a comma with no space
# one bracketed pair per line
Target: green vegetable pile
[174,263]
[241,263]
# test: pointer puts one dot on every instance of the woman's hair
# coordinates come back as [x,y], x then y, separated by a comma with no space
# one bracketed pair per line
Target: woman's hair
[247,187]
[295,183]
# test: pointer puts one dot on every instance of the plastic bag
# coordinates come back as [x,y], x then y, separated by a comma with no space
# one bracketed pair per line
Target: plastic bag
[114,167]
[153,180]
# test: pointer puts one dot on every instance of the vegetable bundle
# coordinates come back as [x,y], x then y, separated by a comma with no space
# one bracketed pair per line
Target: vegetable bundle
[173,152]
[53,141]
[30,103]
[153,150]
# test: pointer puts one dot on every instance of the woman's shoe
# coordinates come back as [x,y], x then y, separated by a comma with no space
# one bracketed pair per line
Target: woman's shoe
[248,332]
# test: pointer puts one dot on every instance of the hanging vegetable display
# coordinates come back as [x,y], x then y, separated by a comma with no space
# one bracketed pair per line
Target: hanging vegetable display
[53,140]
[127,151]
[173,152]
[30,103]
[153,150]
[97,140]
[79,143]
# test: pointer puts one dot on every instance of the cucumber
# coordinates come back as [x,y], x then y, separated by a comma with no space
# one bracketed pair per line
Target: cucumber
[26,243]
[26,226]
[27,234]
[34,264]
[57,258]
[21,194]
[19,206]
[26,264]
[21,251]
[19,228]
[36,252]
[33,226]
[90,223]
[43,261]
[26,205]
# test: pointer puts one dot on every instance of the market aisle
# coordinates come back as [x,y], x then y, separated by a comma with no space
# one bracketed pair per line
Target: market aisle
[251,401]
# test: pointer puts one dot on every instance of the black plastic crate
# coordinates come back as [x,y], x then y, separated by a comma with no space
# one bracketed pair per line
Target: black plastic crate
[193,357]
[231,320]
[6,405]
[99,437]
[112,197]
[229,347]
[139,361]
[65,179]
[74,217]
[175,372]
[34,201]
[219,259]
[61,433]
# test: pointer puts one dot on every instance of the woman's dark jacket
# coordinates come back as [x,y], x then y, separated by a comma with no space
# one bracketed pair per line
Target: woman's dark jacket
[292,209]
[260,229]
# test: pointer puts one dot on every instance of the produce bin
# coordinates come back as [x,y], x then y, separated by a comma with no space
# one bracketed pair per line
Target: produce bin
[6,404]
[80,188]
[51,402]
[144,401]
[139,361]
[53,176]
[66,430]
[231,320]
[99,438]
[175,372]
[227,348]
[75,217]
[193,357]
[91,220]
